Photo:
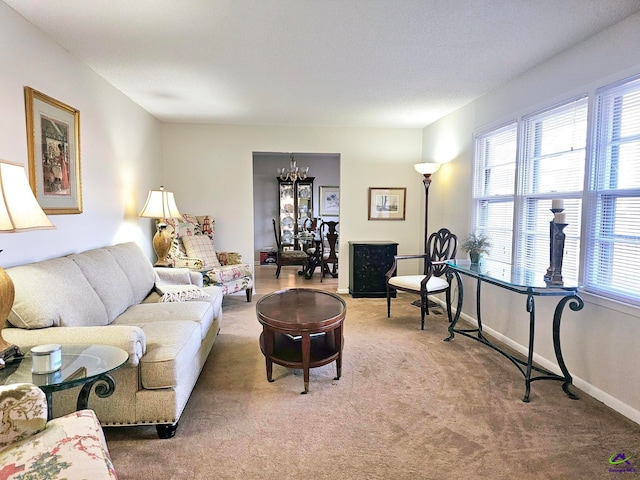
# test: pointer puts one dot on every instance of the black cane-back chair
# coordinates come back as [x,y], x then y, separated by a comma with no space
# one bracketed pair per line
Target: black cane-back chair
[442,245]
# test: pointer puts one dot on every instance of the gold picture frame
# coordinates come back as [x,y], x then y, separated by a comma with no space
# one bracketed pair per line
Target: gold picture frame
[387,203]
[53,143]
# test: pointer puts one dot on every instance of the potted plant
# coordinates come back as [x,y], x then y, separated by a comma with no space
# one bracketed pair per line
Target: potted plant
[476,244]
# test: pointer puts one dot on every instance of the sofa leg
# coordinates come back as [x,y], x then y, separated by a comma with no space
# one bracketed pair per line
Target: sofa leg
[249,294]
[167,430]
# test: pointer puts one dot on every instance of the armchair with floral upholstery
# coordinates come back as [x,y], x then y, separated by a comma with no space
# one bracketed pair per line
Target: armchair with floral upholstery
[72,446]
[193,247]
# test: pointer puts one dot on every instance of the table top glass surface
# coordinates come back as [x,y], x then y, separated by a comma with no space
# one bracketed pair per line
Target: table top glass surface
[80,364]
[508,275]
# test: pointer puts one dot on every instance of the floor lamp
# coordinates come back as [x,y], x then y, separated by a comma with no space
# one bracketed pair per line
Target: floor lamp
[19,212]
[160,205]
[426,170]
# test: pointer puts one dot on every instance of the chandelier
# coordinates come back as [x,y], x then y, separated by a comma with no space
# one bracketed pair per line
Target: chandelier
[294,172]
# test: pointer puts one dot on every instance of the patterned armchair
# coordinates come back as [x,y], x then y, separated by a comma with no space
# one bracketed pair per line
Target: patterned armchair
[193,247]
[66,447]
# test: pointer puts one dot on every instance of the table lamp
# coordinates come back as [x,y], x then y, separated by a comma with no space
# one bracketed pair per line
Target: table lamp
[19,212]
[160,205]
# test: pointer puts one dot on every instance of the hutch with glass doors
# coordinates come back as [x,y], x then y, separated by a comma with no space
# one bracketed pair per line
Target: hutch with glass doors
[295,206]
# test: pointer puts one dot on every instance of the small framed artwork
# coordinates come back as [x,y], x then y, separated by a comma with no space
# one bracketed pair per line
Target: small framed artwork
[53,142]
[387,203]
[330,201]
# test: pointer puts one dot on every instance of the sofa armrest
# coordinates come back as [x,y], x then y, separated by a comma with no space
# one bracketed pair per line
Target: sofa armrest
[129,338]
[229,258]
[178,276]
[24,412]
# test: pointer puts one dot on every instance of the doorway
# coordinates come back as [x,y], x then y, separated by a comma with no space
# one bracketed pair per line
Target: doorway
[324,169]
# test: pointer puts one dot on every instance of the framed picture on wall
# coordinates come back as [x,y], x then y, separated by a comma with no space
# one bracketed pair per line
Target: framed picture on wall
[387,203]
[330,201]
[53,142]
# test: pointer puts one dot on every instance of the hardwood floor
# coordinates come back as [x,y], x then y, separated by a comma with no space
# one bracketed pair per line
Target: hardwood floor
[266,281]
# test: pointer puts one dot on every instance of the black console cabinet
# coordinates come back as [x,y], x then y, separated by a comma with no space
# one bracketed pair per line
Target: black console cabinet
[368,263]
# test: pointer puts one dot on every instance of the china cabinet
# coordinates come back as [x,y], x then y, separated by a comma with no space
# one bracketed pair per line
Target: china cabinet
[295,206]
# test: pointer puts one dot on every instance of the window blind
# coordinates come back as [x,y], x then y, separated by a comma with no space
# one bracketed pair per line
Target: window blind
[552,167]
[494,180]
[613,243]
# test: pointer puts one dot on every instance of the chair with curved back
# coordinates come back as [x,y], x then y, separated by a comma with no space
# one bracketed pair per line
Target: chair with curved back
[329,244]
[287,257]
[442,245]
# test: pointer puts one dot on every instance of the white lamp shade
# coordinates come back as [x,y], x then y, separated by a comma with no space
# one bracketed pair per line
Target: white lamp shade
[19,209]
[426,168]
[160,204]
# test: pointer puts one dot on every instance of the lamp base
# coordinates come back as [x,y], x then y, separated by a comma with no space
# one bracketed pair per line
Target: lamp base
[162,245]
[7,295]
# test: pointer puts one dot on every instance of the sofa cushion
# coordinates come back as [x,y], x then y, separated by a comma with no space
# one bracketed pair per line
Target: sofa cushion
[107,278]
[201,311]
[136,267]
[54,293]
[201,246]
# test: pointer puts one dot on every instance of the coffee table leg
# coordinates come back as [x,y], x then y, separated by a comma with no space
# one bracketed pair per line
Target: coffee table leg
[306,359]
[338,340]
[268,338]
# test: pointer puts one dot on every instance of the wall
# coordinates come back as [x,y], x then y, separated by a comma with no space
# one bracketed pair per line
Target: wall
[120,143]
[600,342]
[325,170]
[210,167]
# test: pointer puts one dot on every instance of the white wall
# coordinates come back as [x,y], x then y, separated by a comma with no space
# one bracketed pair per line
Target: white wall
[600,342]
[210,167]
[120,143]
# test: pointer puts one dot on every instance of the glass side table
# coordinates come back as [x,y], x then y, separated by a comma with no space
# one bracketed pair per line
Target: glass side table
[82,365]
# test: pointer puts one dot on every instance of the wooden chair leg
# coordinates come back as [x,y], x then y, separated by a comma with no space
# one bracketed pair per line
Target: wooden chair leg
[388,303]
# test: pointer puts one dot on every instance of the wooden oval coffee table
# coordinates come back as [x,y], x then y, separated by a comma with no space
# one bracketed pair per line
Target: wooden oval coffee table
[301,328]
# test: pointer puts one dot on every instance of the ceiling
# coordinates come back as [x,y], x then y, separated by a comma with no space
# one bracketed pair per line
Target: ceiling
[365,63]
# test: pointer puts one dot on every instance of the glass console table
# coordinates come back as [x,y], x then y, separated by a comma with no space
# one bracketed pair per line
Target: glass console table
[525,282]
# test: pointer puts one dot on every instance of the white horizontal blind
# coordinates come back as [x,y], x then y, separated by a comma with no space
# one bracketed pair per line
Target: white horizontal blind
[494,180]
[613,244]
[553,166]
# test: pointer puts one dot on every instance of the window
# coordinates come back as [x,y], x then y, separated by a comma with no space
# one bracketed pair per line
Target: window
[494,188]
[613,233]
[551,167]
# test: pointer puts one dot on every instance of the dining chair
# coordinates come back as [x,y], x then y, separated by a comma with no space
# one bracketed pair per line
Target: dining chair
[287,257]
[329,243]
[442,245]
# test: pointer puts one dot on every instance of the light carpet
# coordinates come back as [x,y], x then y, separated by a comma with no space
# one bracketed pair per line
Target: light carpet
[408,406]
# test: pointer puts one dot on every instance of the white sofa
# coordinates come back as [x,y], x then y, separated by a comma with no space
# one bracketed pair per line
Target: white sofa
[31,447]
[108,296]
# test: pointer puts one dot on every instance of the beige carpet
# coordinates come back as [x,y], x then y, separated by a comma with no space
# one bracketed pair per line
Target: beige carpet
[408,406]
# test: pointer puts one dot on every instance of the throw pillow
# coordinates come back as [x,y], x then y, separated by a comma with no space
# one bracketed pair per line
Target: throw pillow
[201,246]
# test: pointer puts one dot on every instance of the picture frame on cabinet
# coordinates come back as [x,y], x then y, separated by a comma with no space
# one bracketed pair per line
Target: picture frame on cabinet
[329,201]
[53,142]
[387,203]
